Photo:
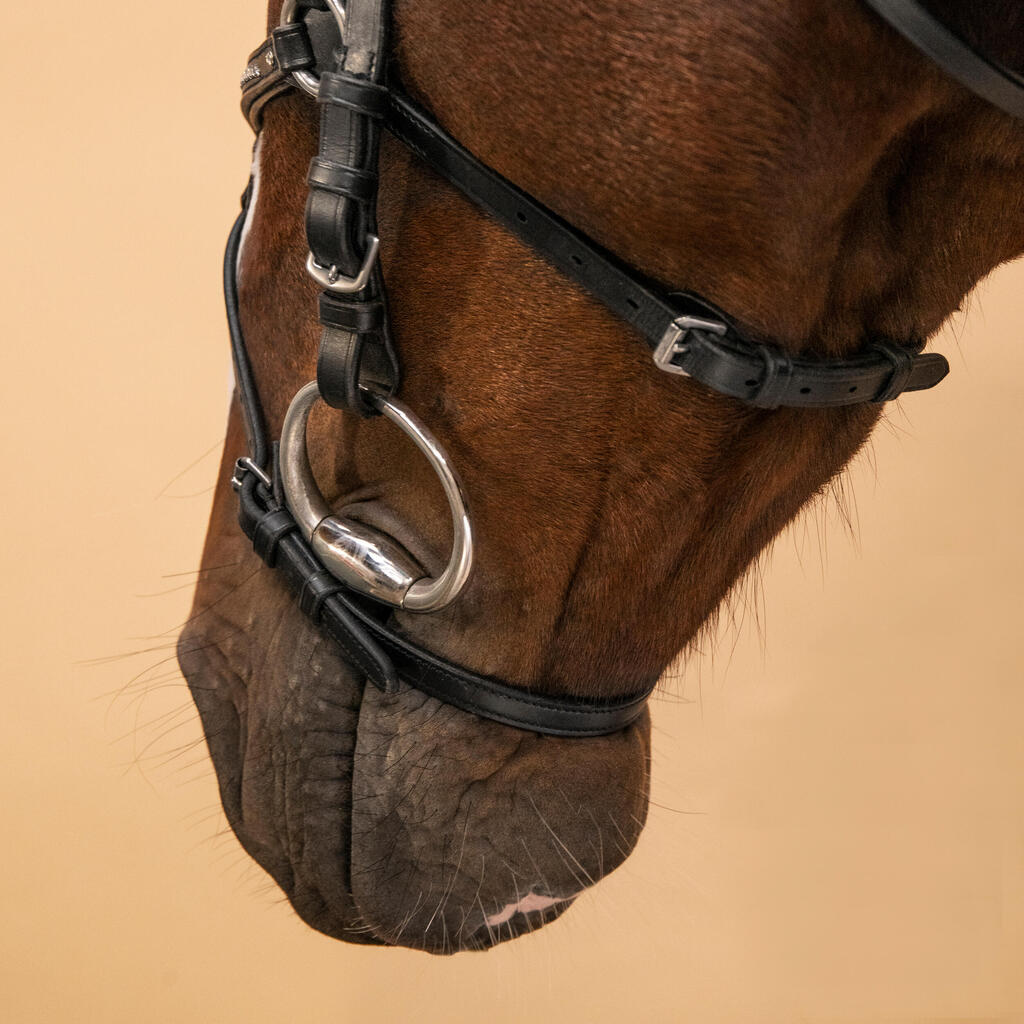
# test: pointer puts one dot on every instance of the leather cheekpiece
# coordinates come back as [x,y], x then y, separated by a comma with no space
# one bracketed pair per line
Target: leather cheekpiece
[356,352]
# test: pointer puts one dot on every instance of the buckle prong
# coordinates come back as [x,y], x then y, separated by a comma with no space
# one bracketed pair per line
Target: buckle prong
[329,279]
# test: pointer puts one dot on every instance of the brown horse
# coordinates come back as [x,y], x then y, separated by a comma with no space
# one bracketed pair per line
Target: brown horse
[800,165]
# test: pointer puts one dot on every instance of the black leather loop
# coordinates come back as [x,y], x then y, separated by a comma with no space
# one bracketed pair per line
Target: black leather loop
[357,94]
[351,364]
[328,230]
[351,182]
[902,362]
[337,368]
[267,534]
[292,48]
[361,317]
[315,590]
[770,391]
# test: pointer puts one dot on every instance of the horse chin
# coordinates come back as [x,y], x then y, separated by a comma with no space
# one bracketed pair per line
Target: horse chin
[395,819]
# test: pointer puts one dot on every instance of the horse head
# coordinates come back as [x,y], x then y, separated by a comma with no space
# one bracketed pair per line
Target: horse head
[802,167]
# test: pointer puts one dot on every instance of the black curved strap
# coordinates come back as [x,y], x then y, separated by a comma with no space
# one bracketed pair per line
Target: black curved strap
[268,532]
[985,77]
[689,336]
[262,81]
[245,383]
[387,657]
[764,376]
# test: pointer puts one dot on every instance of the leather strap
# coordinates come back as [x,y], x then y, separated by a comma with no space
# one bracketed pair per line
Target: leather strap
[982,75]
[356,353]
[719,355]
[386,656]
[262,81]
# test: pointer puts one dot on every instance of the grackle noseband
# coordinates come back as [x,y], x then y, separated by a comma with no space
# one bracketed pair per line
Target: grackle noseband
[348,576]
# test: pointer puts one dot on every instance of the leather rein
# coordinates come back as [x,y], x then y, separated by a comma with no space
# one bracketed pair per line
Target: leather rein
[348,577]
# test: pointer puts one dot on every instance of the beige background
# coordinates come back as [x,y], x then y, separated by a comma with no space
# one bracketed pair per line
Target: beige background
[839,783]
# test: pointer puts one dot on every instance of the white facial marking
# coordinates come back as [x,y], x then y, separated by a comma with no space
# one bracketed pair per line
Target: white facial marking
[253,198]
[531,901]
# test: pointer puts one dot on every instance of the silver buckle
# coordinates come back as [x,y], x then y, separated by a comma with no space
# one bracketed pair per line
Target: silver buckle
[247,465]
[673,341]
[332,281]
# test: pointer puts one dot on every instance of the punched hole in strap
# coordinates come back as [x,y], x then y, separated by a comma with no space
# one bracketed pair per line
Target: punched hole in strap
[902,360]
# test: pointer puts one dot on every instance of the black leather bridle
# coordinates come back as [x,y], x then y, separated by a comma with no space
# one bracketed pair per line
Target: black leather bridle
[340,55]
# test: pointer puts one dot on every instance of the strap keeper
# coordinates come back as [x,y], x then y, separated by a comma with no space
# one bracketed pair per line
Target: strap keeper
[293,50]
[357,94]
[902,360]
[352,364]
[269,531]
[360,317]
[778,372]
[346,181]
[316,589]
